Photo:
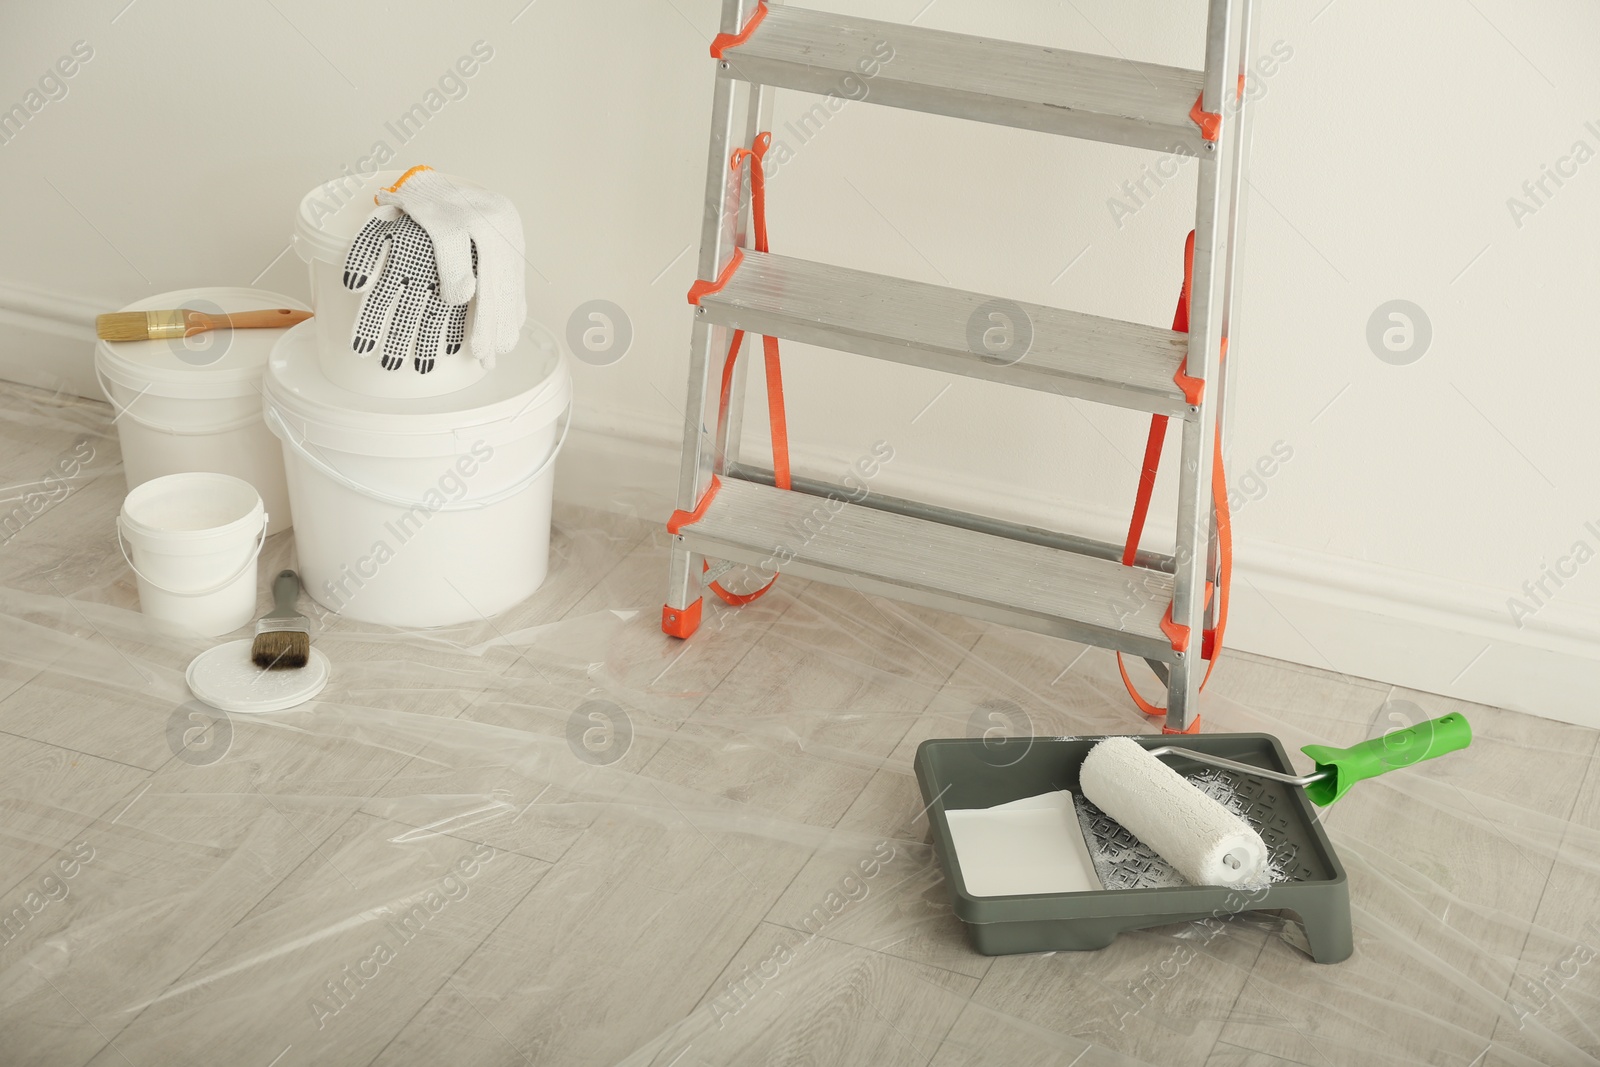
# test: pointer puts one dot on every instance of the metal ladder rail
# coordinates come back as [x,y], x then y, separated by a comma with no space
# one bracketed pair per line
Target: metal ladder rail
[724,228]
[1238,178]
[1194,544]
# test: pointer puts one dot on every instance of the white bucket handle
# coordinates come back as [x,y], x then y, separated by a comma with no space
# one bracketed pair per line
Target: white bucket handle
[219,587]
[127,409]
[274,420]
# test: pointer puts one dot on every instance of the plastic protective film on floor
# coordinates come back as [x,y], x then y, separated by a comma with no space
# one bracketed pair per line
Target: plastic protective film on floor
[559,837]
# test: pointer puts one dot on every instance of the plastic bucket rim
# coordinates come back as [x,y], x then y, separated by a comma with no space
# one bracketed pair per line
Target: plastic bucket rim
[211,590]
[393,423]
[125,410]
[312,242]
[202,384]
[330,471]
[552,395]
[255,513]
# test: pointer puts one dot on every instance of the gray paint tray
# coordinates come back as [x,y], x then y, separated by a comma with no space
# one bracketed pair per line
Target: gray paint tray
[1140,889]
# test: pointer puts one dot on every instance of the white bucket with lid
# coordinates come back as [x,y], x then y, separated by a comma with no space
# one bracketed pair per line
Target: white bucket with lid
[194,403]
[192,540]
[326,225]
[427,511]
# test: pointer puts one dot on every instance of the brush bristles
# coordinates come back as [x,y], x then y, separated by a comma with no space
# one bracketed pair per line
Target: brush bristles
[278,650]
[146,325]
[122,326]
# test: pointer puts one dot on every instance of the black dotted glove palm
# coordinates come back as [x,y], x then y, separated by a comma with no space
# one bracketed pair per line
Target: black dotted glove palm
[402,308]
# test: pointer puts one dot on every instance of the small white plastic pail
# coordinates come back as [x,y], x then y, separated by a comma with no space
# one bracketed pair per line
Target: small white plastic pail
[422,511]
[326,225]
[192,540]
[194,403]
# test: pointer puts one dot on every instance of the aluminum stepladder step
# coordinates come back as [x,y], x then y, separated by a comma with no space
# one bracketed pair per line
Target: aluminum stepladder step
[1051,582]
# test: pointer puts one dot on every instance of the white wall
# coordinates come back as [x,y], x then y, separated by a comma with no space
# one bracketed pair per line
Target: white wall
[1417,500]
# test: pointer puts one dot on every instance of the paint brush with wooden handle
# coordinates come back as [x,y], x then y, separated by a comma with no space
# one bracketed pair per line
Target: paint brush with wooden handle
[163,325]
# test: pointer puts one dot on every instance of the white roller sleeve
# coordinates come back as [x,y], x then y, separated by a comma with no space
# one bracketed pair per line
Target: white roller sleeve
[1208,844]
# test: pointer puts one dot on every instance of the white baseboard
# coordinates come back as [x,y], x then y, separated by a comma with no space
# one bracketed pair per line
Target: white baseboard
[47,339]
[1408,629]
[611,469]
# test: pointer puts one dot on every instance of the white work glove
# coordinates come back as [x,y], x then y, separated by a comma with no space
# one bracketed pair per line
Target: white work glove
[479,249]
[408,286]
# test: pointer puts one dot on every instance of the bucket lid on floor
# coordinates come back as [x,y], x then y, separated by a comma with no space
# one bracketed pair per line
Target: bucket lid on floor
[212,365]
[333,213]
[528,390]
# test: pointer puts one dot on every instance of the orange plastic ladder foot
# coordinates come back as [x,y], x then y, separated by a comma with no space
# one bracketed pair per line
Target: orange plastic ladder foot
[1194,728]
[681,622]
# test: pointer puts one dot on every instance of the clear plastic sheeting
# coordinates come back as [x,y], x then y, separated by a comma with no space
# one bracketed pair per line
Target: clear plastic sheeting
[559,837]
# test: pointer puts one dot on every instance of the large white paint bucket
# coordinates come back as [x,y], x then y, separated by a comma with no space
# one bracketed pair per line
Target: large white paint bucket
[194,403]
[426,511]
[192,540]
[326,225]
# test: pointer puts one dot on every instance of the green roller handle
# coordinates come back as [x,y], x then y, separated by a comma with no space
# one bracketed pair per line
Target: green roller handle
[1344,767]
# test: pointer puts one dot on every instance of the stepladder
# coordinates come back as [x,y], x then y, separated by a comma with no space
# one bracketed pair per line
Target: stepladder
[1166,608]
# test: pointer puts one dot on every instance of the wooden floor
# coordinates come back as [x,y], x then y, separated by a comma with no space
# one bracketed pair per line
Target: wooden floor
[558,837]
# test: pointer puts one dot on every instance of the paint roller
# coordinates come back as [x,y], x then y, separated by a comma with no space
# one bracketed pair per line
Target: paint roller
[1202,839]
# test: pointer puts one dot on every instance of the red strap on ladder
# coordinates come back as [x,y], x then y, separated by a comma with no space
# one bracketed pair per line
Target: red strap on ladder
[725,41]
[1211,640]
[1210,122]
[776,415]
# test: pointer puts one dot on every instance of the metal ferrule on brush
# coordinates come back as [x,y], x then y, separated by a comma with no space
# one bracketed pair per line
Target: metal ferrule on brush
[165,325]
[295,625]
